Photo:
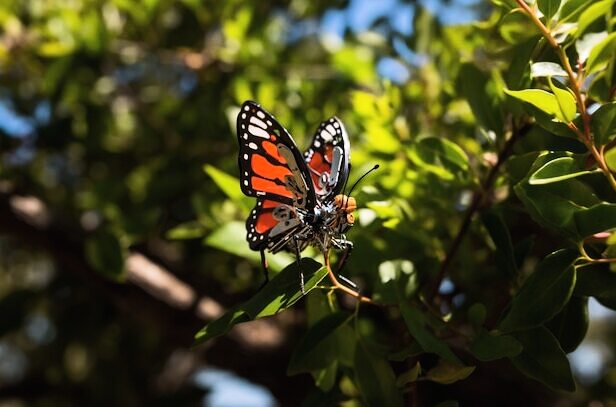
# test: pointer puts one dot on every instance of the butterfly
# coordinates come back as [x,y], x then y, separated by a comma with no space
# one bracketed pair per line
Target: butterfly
[299,196]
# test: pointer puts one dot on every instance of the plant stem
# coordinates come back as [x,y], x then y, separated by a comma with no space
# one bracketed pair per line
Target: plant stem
[475,205]
[575,83]
[342,287]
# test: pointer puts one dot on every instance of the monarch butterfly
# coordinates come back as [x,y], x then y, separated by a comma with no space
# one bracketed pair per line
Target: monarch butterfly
[299,197]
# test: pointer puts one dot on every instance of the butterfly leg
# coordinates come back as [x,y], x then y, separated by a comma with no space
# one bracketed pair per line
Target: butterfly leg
[265,269]
[298,258]
[348,248]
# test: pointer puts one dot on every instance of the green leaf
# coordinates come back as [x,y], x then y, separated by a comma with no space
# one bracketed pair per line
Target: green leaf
[414,349]
[325,379]
[584,45]
[487,346]
[516,27]
[572,9]
[497,228]
[279,294]
[375,378]
[416,323]
[566,102]
[187,230]
[595,219]
[542,359]
[409,376]
[599,282]
[601,54]
[590,14]
[610,159]
[541,69]
[570,325]
[544,101]
[448,373]
[549,8]
[477,315]
[543,294]
[476,88]
[439,156]
[516,75]
[603,123]
[559,169]
[231,238]
[317,348]
[284,289]
[230,186]
[397,275]
[105,254]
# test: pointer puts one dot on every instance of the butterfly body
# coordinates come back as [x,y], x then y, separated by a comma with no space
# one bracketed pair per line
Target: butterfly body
[299,200]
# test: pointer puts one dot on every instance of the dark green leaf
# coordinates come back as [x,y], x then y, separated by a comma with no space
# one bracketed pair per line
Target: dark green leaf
[517,76]
[414,349]
[599,282]
[557,170]
[477,315]
[396,275]
[543,294]
[584,45]
[572,9]
[280,293]
[105,254]
[409,376]
[569,326]
[317,349]
[474,85]
[543,359]
[502,241]
[548,8]
[447,373]
[325,379]
[188,230]
[488,347]
[595,219]
[375,378]
[603,123]
[416,323]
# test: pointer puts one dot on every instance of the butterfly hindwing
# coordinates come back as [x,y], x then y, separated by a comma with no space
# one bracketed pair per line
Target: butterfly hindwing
[271,165]
[269,222]
[328,158]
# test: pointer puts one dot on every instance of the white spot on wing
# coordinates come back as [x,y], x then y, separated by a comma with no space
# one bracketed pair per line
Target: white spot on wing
[331,129]
[317,143]
[258,122]
[252,145]
[245,156]
[326,136]
[257,131]
[336,124]
[260,114]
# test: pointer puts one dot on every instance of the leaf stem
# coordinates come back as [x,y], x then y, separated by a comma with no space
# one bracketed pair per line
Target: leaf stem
[575,81]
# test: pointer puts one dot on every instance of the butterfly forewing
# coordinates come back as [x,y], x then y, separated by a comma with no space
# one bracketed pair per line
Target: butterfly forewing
[271,166]
[328,158]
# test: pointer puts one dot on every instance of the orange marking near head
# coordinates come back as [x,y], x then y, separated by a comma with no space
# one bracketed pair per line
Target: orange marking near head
[272,137]
[265,185]
[263,168]
[265,222]
[272,150]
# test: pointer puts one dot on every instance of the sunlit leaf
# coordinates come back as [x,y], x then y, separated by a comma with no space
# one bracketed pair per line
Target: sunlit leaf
[584,45]
[559,169]
[601,54]
[593,12]
[447,373]
[539,69]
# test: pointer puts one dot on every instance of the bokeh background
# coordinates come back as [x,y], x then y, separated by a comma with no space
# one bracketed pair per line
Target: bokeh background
[117,131]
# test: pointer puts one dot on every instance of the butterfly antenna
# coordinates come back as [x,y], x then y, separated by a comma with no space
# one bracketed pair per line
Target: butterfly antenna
[346,181]
[357,182]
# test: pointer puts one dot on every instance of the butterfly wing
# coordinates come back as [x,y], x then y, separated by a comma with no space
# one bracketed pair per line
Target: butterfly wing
[271,165]
[270,223]
[329,158]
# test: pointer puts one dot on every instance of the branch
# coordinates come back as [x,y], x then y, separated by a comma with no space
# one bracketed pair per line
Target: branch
[476,202]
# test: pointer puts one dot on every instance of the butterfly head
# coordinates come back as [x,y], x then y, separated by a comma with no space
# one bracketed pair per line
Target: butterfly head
[344,206]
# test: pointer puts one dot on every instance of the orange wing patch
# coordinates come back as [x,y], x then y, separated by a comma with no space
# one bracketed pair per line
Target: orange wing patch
[265,221]
[266,185]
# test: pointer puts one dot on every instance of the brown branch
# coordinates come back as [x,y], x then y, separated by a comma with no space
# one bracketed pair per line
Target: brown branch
[476,203]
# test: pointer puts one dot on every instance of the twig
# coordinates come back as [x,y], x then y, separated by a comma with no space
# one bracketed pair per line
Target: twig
[342,287]
[476,202]
[574,82]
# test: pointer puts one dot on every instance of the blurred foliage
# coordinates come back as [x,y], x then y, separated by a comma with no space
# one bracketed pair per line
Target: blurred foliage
[490,222]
